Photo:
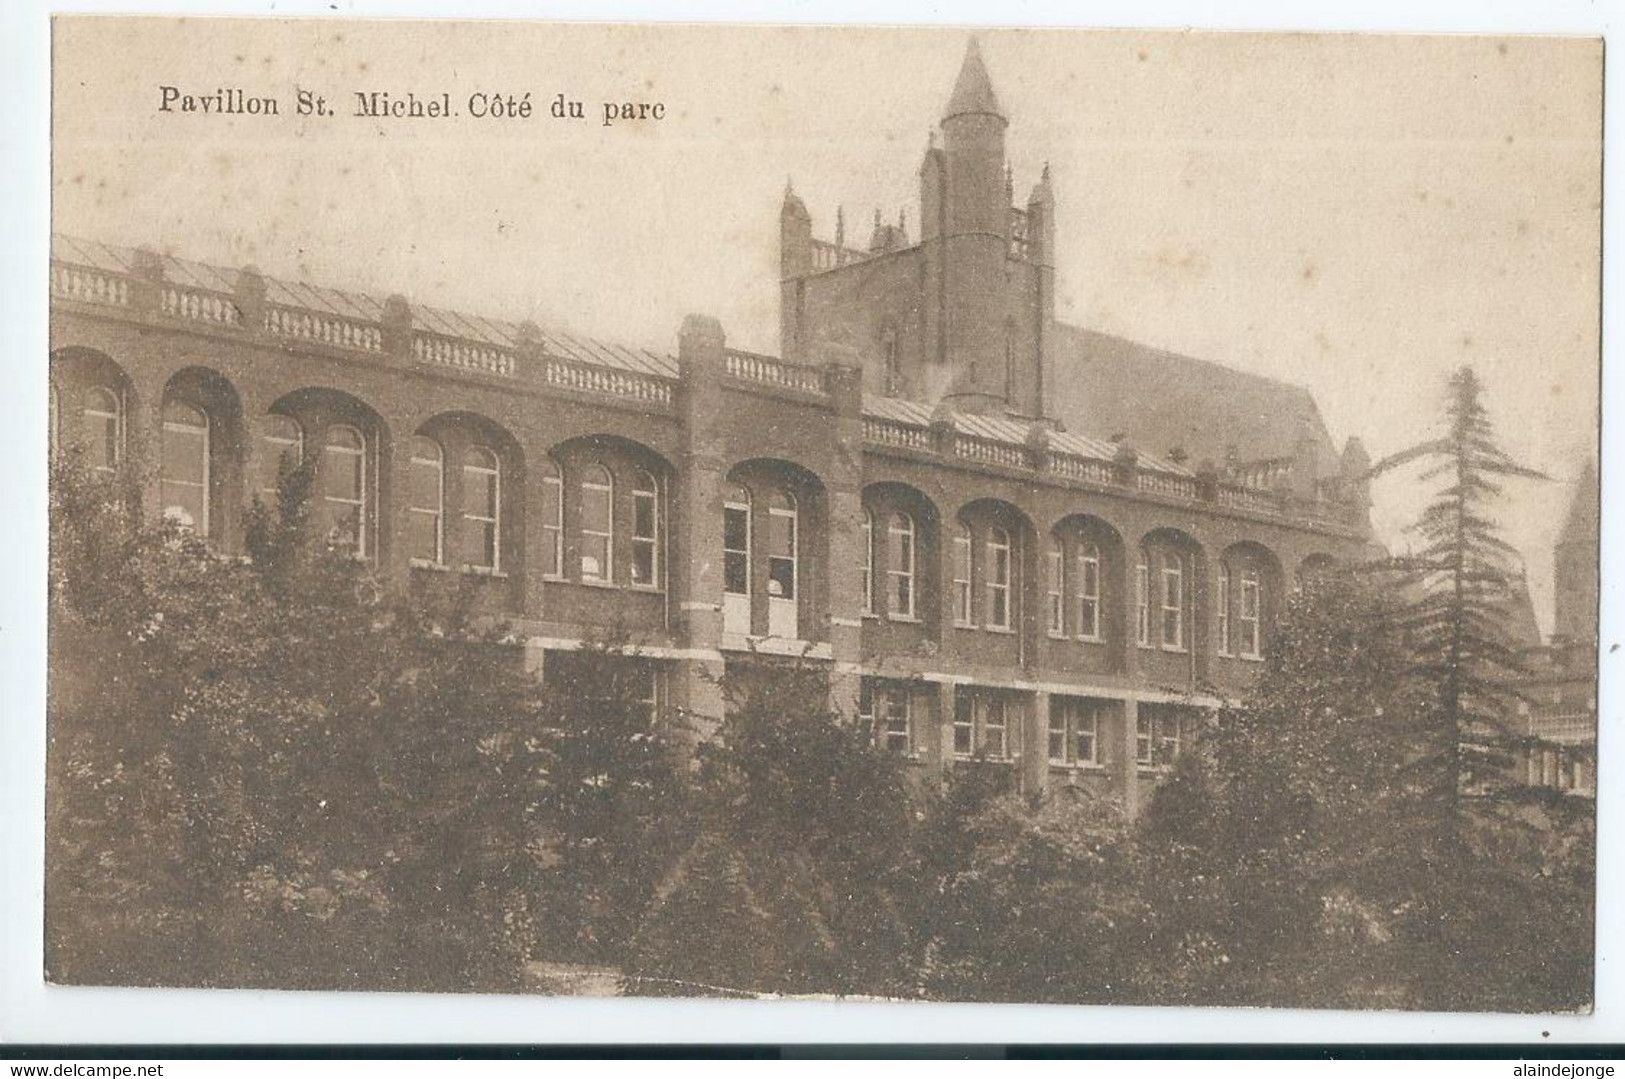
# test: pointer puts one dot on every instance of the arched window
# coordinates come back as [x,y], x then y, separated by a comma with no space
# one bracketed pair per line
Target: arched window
[184,479]
[868,562]
[645,530]
[1057,588]
[597,524]
[962,578]
[1224,609]
[344,489]
[282,445]
[736,541]
[781,546]
[104,429]
[552,519]
[900,565]
[998,578]
[426,529]
[1088,590]
[482,510]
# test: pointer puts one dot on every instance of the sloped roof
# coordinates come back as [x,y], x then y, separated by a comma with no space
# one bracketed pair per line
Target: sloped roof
[1161,401]
[973,90]
[1580,526]
[112,258]
[1008,430]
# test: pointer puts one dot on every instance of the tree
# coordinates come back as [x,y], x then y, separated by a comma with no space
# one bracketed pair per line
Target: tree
[273,772]
[1462,580]
[616,798]
[790,883]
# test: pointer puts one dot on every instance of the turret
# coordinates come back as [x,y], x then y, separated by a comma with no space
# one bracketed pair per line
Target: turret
[795,236]
[1041,222]
[976,224]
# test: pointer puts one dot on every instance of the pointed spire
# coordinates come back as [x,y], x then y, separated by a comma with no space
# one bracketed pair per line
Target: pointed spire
[793,206]
[840,226]
[973,90]
[902,221]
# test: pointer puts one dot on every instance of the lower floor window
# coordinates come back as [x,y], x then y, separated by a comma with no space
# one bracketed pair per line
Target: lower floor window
[982,724]
[1074,731]
[886,710]
[1159,734]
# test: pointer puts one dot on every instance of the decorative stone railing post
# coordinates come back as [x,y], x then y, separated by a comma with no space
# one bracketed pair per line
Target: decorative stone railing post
[1207,481]
[147,284]
[396,324]
[249,295]
[1038,447]
[1126,464]
[943,429]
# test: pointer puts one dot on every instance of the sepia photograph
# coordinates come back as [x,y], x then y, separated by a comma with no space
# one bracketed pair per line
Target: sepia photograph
[883,514]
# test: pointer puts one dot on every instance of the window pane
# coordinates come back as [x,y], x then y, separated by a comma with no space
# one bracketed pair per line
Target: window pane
[423,537]
[594,557]
[735,529]
[281,446]
[643,516]
[595,508]
[735,573]
[480,542]
[781,578]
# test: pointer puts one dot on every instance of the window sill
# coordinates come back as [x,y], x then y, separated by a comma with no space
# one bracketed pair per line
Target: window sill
[1245,658]
[610,585]
[967,758]
[1081,639]
[646,589]
[906,619]
[1075,766]
[1153,769]
[870,616]
[964,625]
[1174,650]
[431,567]
[1005,630]
[480,571]
[1054,636]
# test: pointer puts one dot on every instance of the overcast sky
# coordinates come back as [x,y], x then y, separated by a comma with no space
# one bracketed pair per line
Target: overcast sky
[1358,214]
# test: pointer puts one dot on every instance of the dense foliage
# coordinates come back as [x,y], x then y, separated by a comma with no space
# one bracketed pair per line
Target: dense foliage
[271,771]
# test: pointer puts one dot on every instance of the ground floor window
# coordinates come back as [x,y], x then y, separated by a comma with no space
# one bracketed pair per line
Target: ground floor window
[1074,730]
[985,723]
[1160,734]
[886,709]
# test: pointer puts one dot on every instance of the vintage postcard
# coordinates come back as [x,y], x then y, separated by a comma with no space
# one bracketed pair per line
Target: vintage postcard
[915,514]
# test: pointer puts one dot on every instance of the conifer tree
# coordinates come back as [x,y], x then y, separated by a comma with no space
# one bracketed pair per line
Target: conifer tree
[1460,582]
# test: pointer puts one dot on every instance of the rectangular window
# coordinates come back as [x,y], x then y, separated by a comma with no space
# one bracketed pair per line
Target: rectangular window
[1058,731]
[964,724]
[1144,744]
[868,563]
[995,728]
[482,521]
[424,535]
[895,715]
[736,549]
[1073,731]
[1173,610]
[998,580]
[1142,602]
[1089,594]
[781,554]
[552,524]
[1251,642]
[900,565]
[1086,733]
[1224,609]
[597,527]
[962,580]
[1057,591]
[1169,730]
[646,536]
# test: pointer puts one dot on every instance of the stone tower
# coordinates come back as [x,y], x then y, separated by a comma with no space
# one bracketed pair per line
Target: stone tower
[965,316]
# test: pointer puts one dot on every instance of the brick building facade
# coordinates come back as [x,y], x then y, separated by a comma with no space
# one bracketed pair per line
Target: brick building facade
[1004,536]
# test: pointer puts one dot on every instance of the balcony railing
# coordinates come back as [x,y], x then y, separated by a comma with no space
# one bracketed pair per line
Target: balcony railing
[753,367]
